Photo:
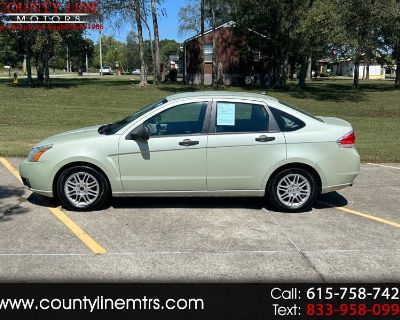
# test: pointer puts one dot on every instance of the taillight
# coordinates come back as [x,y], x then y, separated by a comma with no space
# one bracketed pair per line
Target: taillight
[347,140]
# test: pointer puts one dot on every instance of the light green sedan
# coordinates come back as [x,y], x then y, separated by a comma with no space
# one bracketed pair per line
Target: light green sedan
[198,144]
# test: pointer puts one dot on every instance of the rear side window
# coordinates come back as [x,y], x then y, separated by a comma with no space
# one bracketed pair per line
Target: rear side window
[241,117]
[286,122]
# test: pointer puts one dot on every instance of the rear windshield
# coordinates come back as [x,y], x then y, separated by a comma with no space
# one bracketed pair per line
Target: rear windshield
[300,110]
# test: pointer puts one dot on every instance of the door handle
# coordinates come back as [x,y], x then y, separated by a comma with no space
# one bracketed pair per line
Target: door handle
[264,138]
[188,142]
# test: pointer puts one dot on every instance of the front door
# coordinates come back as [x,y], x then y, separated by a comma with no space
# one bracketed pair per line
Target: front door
[174,158]
[243,144]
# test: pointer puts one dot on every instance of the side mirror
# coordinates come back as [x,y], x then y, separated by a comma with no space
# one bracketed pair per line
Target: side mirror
[140,133]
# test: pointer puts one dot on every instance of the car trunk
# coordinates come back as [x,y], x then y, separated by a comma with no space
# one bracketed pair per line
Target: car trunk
[336,122]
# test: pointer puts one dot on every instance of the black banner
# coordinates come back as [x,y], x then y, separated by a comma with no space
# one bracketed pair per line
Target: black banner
[199,301]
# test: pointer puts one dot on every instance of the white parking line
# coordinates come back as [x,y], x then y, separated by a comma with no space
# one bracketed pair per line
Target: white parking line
[201,252]
[382,165]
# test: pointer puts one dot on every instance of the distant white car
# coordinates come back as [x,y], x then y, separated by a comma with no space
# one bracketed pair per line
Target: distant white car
[106,70]
[136,72]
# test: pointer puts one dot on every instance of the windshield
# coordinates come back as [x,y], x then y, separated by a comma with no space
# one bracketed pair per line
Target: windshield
[118,125]
[300,110]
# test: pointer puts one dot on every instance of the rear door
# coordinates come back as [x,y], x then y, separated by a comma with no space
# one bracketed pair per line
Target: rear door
[244,142]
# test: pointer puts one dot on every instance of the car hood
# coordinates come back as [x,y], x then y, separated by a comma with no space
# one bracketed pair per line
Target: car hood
[67,136]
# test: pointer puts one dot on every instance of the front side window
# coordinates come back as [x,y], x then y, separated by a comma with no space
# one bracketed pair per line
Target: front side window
[241,117]
[183,119]
[118,125]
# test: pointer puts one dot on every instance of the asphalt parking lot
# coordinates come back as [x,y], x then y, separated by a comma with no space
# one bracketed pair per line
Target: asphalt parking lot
[353,235]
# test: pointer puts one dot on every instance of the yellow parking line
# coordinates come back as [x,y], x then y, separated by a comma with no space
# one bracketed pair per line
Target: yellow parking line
[64,218]
[82,235]
[382,165]
[11,168]
[362,214]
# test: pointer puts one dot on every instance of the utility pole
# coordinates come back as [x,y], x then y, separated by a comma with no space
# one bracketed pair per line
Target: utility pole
[101,56]
[202,5]
[67,59]
[87,60]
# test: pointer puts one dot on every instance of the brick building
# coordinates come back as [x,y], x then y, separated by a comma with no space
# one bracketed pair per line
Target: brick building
[226,52]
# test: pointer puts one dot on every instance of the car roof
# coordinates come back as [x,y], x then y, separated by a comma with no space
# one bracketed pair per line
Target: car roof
[220,94]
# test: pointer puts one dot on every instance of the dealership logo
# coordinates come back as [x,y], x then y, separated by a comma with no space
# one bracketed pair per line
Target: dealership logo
[46,12]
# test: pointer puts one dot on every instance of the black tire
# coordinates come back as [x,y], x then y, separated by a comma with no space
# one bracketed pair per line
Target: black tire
[96,202]
[275,199]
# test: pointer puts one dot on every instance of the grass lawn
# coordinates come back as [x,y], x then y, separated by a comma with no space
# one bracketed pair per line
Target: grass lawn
[29,114]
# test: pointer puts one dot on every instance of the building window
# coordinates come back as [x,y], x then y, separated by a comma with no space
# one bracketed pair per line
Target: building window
[208,52]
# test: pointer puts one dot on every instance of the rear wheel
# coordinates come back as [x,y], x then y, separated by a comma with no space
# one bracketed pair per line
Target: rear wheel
[82,188]
[292,190]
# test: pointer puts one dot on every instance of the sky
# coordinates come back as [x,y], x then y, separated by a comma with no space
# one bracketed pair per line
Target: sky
[168,24]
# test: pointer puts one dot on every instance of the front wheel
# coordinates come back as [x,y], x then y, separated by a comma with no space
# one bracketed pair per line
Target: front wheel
[293,190]
[82,188]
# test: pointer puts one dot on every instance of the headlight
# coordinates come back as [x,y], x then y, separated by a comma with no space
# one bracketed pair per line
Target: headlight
[36,152]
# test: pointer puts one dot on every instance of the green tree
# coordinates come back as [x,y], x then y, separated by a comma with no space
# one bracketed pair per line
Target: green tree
[43,51]
[190,18]
[138,18]
[132,10]
[362,21]
[391,34]
[10,51]
[157,76]
[319,30]
[132,52]
[168,48]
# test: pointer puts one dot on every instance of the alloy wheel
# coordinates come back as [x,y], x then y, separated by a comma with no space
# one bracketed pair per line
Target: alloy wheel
[293,190]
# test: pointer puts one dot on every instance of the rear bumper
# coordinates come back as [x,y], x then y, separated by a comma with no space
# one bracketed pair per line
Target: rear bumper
[37,176]
[335,188]
[340,168]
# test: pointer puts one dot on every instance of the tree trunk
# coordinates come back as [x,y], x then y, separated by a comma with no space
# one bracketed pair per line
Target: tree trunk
[28,68]
[43,74]
[397,81]
[157,77]
[28,55]
[292,70]
[367,71]
[275,67]
[202,43]
[363,75]
[144,20]
[309,68]
[138,14]
[24,64]
[285,70]
[397,56]
[303,73]
[39,69]
[46,72]
[214,58]
[356,73]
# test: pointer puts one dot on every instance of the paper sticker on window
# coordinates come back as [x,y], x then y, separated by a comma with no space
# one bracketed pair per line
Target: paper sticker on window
[225,114]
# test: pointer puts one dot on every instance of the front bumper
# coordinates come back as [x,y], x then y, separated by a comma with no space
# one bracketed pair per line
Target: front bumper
[37,176]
